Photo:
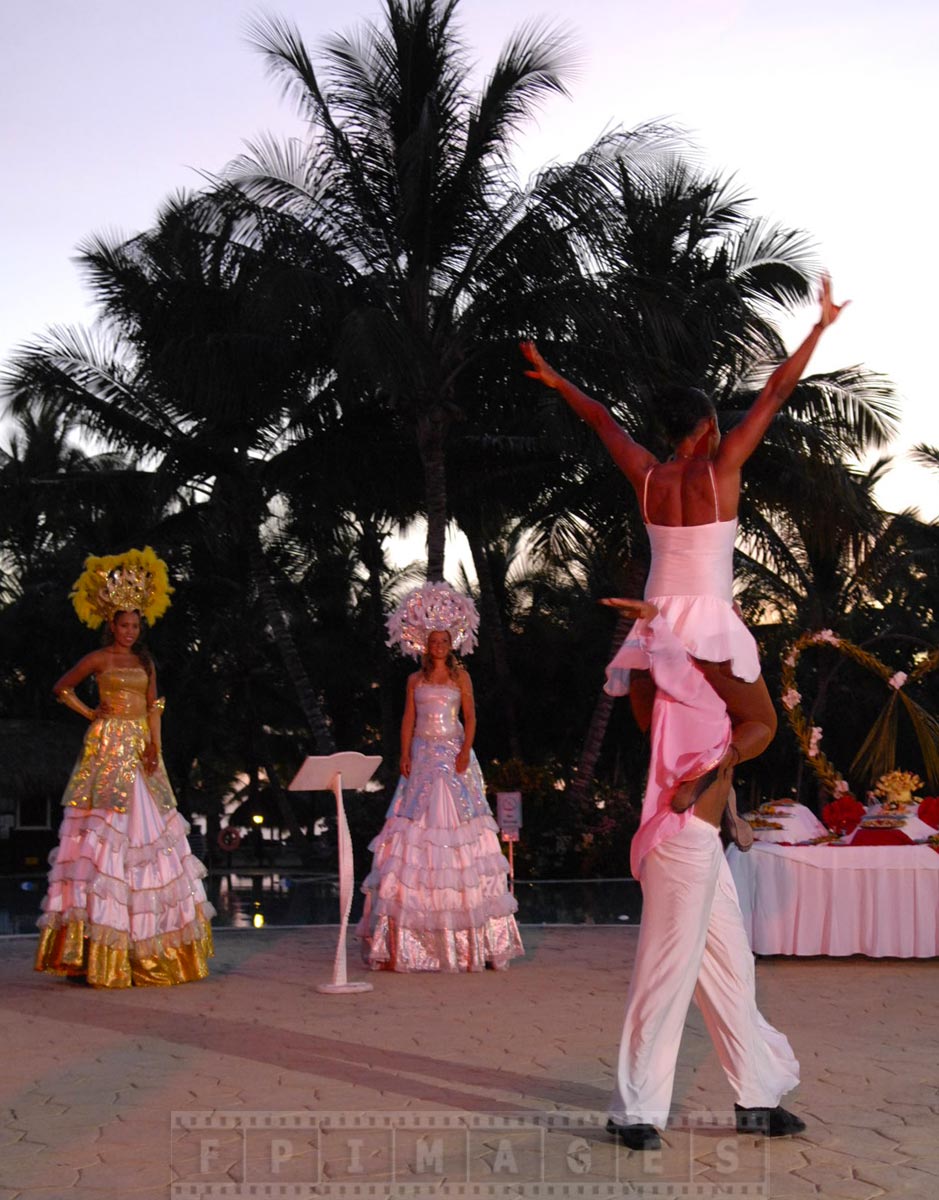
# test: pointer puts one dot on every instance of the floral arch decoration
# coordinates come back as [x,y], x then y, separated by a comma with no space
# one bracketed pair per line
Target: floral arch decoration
[877,754]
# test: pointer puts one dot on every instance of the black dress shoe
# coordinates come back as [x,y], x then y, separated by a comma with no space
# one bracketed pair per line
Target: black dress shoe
[636,1137]
[771,1122]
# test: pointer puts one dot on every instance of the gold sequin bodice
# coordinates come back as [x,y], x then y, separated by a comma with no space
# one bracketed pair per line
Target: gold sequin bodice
[111,759]
[124,691]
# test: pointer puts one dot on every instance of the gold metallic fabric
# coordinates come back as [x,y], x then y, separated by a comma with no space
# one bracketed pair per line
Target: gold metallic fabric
[107,766]
[108,962]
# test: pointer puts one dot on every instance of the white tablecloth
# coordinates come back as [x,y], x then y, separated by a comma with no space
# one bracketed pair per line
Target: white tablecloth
[875,900]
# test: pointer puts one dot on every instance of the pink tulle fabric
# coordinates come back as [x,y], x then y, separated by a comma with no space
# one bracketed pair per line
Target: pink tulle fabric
[129,876]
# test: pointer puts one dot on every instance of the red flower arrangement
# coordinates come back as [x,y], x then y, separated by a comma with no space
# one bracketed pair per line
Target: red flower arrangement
[843,815]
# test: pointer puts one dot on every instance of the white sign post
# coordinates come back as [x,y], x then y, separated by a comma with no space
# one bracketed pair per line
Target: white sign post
[509,820]
[332,773]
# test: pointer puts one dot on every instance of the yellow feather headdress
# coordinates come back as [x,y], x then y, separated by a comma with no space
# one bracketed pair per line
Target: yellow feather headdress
[136,580]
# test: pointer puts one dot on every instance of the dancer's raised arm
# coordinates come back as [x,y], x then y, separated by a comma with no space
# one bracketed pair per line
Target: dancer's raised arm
[743,439]
[631,458]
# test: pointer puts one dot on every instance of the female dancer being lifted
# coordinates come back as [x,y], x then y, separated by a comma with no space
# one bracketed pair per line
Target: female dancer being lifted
[689,507]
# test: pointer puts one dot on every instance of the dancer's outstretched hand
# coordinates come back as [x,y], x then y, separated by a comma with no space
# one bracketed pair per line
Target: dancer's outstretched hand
[542,371]
[639,609]
[830,312]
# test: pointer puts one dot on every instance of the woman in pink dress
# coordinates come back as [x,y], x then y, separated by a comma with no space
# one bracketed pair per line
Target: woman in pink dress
[689,508]
[125,904]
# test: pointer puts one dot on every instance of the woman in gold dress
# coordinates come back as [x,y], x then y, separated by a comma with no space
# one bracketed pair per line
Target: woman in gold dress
[125,904]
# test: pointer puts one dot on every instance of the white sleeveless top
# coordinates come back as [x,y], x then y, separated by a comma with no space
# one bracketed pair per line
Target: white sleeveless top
[691,582]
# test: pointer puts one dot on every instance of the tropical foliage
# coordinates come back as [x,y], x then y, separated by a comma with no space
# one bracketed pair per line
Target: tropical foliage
[294,365]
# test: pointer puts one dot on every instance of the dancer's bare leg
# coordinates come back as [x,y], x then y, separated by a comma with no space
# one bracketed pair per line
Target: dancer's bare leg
[749,707]
[709,792]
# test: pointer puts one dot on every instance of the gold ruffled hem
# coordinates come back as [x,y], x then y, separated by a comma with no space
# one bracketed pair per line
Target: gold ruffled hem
[67,950]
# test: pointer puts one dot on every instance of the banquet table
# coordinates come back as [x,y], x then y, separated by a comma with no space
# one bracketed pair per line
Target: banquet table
[882,901]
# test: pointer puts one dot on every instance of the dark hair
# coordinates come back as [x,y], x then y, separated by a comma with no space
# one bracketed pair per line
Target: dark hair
[681,409]
[139,647]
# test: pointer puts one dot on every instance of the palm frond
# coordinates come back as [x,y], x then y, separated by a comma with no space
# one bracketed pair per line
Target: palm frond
[926,456]
[531,66]
[860,404]
[770,263]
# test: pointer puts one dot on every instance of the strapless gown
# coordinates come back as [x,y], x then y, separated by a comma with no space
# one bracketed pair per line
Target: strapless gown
[437,898]
[126,904]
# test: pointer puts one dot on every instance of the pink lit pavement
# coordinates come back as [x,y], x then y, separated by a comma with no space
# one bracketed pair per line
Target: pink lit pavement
[252,1083]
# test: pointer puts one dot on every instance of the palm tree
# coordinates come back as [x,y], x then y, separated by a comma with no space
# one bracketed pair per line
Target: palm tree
[867,575]
[406,191]
[200,366]
[57,499]
[694,286]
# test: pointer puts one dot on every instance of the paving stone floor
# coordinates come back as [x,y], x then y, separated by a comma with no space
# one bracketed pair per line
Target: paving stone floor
[252,1083]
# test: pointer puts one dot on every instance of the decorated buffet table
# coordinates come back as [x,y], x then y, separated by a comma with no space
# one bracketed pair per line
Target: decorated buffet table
[831,896]
[865,878]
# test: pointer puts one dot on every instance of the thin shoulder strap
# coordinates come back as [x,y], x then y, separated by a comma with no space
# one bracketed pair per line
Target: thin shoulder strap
[645,494]
[717,510]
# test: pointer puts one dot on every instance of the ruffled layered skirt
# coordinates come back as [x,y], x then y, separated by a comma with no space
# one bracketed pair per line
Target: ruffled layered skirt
[437,897]
[707,626]
[126,904]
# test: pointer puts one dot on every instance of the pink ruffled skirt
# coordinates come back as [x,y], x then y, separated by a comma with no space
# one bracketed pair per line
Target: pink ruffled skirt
[126,903]
[437,897]
[707,626]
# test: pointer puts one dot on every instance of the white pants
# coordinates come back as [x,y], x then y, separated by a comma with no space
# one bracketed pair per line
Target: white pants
[692,943]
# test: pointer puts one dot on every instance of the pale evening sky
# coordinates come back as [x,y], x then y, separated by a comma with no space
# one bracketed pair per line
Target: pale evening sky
[823,109]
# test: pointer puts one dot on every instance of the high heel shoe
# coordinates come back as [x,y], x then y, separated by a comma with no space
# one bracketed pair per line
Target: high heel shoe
[734,827]
[691,791]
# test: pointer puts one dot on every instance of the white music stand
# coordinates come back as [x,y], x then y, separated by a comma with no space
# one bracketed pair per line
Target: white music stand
[333,772]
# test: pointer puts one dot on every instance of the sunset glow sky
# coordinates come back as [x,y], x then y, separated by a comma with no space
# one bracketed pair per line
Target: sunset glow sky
[824,111]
